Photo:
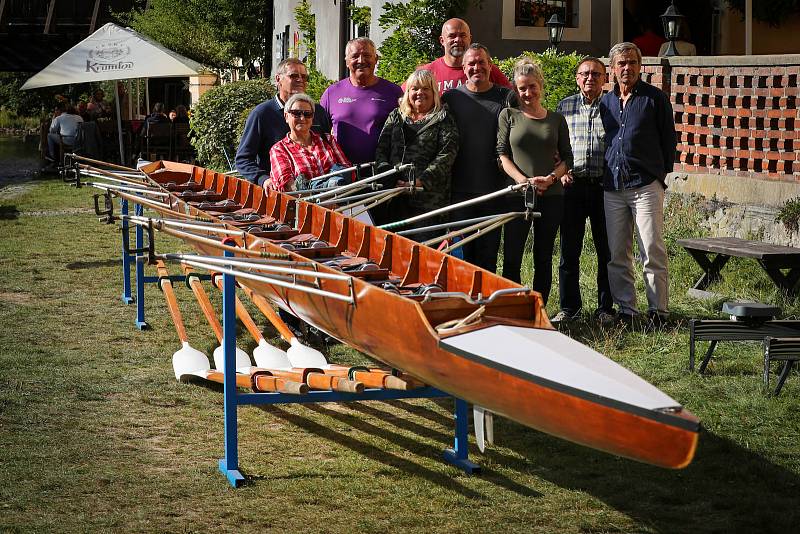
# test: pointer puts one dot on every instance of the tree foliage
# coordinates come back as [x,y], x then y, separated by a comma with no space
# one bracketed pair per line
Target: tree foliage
[416,27]
[212,32]
[307,24]
[558,70]
[218,116]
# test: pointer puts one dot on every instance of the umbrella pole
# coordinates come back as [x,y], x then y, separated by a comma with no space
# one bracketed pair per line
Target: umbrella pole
[119,126]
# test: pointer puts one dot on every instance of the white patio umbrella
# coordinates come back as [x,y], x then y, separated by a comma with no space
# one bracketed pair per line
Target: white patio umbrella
[113,53]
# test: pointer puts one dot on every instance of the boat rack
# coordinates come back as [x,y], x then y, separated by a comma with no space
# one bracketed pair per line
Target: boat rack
[458,455]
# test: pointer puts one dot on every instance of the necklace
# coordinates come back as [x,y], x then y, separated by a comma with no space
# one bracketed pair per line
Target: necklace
[534,114]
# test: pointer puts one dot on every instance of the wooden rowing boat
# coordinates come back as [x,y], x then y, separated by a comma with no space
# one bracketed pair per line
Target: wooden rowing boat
[508,359]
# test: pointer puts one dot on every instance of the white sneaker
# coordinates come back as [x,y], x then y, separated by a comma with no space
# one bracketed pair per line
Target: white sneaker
[563,317]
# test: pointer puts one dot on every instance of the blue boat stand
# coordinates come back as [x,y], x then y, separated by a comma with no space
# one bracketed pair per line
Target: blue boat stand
[458,455]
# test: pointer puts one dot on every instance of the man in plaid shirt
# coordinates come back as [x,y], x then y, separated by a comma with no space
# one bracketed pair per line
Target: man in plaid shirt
[584,196]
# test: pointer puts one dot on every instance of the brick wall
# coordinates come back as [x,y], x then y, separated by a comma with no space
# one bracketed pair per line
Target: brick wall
[735,115]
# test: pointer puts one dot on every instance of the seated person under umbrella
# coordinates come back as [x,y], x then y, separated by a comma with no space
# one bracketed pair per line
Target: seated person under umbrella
[63,129]
[303,154]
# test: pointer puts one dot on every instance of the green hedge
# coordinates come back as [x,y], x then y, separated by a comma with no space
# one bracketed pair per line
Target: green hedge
[558,70]
[218,118]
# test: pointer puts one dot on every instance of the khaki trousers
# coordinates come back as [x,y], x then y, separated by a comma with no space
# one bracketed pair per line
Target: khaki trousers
[644,208]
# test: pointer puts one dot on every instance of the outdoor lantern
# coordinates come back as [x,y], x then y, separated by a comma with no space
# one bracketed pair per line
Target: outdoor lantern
[555,27]
[671,19]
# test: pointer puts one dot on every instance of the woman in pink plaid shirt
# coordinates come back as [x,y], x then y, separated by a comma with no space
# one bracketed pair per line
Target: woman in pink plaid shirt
[303,154]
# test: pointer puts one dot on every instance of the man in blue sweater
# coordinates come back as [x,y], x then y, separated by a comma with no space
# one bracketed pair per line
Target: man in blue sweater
[640,150]
[266,126]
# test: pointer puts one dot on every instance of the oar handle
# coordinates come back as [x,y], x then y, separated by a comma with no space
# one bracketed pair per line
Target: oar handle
[242,380]
[317,379]
[263,381]
[375,378]
[172,302]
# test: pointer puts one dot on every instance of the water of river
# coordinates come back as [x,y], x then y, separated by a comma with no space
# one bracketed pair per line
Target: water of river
[19,160]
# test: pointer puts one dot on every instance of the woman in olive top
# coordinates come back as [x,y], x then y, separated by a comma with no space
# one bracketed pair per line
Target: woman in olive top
[533,146]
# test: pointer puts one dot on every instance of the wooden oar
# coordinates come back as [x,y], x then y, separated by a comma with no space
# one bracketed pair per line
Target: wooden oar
[277,361]
[265,355]
[261,381]
[317,378]
[187,360]
[375,378]
[242,359]
[299,355]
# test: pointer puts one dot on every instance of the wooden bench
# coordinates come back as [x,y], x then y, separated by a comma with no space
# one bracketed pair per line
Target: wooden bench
[751,321]
[774,259]
[786,350]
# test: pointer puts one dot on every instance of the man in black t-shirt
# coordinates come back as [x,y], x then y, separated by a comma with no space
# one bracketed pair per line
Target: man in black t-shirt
[475,107]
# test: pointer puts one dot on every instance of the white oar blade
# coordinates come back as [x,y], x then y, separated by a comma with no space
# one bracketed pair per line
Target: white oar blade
[304,356]
[270,357]
[188,361]
[478,421]
[242,359]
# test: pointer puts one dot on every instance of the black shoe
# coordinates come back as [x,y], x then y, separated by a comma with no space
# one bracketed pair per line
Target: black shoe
[656,321]
[606,318]
[625,319]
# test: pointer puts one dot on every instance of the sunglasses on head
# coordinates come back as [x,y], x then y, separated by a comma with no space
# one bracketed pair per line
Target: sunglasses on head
[297,113]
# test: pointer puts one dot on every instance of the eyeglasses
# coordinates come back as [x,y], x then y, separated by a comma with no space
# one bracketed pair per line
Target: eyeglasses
[294,77]
[590,74]
[297,113]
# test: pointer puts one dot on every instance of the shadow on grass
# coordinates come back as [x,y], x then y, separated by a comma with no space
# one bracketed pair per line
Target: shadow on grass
[366,449]
[427,413]
[726,489]
[93,264]
[8,213]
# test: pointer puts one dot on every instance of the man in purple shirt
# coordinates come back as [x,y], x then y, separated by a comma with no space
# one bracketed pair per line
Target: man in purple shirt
[358,105]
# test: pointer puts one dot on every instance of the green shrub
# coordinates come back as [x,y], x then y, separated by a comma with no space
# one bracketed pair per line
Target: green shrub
[217,119]
[317,83]
[789,215]
[558,69]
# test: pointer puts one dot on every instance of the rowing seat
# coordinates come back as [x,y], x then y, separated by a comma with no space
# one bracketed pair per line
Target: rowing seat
[749,321]
[786,350]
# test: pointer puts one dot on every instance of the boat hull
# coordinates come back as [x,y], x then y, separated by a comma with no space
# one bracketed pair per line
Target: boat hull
[401,331]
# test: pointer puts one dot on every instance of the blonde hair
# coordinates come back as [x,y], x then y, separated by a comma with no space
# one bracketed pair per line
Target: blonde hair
[527,67]
[423,78]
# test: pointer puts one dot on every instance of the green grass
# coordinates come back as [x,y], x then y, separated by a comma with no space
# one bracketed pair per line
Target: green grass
[96,435]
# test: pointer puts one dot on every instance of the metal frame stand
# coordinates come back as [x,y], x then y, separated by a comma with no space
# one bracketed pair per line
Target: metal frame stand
[229,465]
[127,298]
[137,256]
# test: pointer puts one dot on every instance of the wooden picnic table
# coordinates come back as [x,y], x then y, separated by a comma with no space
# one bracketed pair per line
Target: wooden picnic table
[774,259]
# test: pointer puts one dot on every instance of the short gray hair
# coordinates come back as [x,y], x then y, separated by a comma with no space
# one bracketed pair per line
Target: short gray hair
[283,66]
[359,40]
[299,97]
[621,48]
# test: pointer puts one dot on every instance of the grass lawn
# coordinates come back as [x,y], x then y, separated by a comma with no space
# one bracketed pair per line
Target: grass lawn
[96,434]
